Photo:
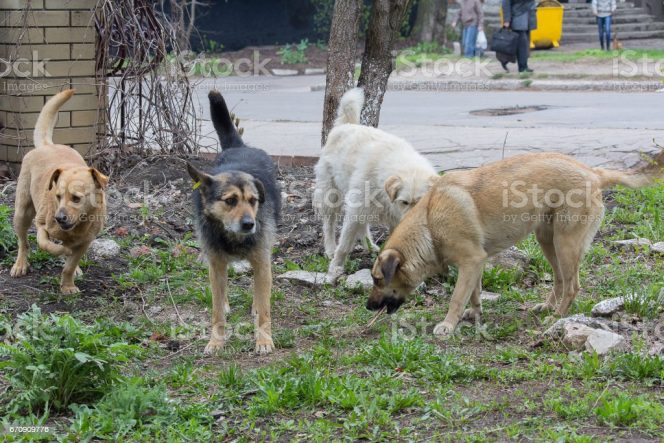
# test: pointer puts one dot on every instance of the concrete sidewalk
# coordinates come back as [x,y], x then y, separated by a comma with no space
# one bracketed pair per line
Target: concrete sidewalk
[283,116]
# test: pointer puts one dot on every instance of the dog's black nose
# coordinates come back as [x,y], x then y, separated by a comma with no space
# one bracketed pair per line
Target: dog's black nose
[247,224]
[60,218]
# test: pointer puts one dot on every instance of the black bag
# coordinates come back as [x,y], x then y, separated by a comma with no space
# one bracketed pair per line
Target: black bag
[504,41]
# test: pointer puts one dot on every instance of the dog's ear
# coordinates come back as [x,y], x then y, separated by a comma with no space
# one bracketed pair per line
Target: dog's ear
[385,267]
[101,181]
[54,178]
[198,176]
[261,190]
[393,186]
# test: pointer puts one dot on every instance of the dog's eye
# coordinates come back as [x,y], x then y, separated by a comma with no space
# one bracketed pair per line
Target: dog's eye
[404,203]
[75,199]
[252,201]
[232,201]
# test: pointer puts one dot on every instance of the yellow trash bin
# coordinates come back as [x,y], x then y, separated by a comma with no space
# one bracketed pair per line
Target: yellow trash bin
[549,25]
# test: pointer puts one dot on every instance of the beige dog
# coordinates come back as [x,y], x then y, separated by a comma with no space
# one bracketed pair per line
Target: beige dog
[62,194]
[469,216]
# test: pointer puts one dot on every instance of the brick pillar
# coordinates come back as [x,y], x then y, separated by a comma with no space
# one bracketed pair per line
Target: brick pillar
[56,51]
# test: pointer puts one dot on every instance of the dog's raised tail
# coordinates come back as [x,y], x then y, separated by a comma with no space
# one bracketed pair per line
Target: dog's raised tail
[350,107]
[48,117]
[637,178]
[223,123]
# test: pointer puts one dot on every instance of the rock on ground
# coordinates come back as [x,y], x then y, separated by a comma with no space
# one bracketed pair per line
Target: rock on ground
[511,258]
[608,307]
[315,279]
[658,247]
[633,243]
[360,278]
[101,248]
[241,267]
[489,296]
[603,342]
[576,334]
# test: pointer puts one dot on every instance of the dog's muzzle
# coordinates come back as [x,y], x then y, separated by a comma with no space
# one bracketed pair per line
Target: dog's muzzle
[392,304]
[63,221]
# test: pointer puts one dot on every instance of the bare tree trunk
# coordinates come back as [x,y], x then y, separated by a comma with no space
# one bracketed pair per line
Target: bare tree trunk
[341,49]
[430,21]
[183,14]
[377,63]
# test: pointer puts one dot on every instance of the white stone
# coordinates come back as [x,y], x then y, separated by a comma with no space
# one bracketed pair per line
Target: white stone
[658,247]
[284,72]
[511,258]
[308,278]
[603,342]
[559,326]
[314,71]
[101,248]
[608,307]
[657,349]
[489,296]
[361,278]
[241,267]
[576,334]
[633,242]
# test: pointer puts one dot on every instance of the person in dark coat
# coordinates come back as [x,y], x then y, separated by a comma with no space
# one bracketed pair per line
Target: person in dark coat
[521,17]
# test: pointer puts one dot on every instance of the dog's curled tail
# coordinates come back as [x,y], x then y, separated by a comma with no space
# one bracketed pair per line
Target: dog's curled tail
[223,123]
[350,107]
[48,117]
[637,178]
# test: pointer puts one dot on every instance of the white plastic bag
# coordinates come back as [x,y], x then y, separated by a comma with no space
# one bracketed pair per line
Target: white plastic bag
[481,41]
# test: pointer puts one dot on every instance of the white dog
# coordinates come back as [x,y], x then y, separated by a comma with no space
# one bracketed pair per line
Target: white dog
[375,177]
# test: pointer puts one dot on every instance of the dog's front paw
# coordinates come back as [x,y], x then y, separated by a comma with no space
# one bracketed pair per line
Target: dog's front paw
[264,346]
[333,274]
[19,269]
[213,346]
[542,307]
[69,289]
[443,330]
[472,314]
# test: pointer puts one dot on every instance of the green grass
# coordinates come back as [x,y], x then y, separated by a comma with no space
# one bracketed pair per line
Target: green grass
[7,237]
[598,54]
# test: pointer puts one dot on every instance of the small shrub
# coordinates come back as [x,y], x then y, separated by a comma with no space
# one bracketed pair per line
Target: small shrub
[7,238]
[294,54]
[53,361]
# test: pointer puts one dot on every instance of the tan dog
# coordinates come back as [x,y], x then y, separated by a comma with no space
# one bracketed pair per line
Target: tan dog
[469,216]
[62,194]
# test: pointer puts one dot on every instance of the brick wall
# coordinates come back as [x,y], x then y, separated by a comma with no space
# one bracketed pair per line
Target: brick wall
[56,50]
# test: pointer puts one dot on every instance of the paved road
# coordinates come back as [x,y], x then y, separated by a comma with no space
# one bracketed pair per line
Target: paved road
[283,115]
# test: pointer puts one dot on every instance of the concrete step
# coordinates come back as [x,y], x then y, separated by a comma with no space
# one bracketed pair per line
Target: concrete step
[640,18]
[582,6]
[620,28]
[588,13]
[575,37]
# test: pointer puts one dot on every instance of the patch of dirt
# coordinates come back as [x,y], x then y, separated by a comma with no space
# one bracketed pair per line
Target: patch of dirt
[512,110]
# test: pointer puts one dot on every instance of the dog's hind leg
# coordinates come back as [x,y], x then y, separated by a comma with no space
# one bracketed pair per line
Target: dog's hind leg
[369,244]
[350,232]
[262,265]
[544,235]
[23,216]
[218,270]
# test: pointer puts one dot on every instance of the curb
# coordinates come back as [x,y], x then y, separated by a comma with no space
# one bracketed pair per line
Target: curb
[525,84]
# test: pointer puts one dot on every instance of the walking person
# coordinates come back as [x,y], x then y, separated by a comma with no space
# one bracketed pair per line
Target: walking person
[521,17]
[471,17]
[603,10]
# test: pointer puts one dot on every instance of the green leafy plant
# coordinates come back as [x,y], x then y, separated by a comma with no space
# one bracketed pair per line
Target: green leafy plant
[7,238]
[294,54]
[53,361]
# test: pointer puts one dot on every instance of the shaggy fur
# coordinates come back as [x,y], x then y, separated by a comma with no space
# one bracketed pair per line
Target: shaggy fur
[62,194]
[469,216]
[237,207]
[369,175]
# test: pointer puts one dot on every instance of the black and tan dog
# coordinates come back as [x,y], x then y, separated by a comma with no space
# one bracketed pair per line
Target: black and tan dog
[62,194]
[237,207]
[469,216]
